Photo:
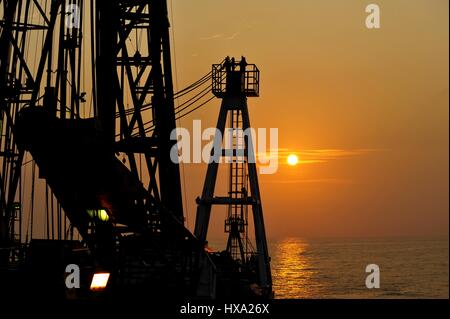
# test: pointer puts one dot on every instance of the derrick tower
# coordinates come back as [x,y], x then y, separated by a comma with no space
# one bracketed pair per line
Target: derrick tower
[233,82]
[86,90]
[86,116]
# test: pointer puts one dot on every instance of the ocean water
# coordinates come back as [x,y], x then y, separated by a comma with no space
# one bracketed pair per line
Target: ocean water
[335,268]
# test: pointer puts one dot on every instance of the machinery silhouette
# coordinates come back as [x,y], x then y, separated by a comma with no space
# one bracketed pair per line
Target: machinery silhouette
[87,104]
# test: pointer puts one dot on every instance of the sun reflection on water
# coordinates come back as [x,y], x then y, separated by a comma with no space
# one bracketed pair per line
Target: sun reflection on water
[335,268]
[293,273]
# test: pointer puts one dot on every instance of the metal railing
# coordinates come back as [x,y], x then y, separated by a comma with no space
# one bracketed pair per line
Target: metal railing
[235,78]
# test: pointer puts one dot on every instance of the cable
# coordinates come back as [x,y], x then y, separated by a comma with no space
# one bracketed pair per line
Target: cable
[149,129]
[177,95]
[192,100]
[196,108]
[152,128]
[193,86]
[182,107]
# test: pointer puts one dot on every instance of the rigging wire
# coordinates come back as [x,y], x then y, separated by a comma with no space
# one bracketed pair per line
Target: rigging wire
[180,108]
[194,99]
[194,85]
[177,95]
[151,128]
[197,107]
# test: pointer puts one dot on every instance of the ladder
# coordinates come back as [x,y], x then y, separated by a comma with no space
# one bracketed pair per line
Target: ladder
[236,222]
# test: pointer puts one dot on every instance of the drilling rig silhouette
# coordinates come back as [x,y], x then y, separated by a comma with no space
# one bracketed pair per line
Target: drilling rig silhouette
[87,109]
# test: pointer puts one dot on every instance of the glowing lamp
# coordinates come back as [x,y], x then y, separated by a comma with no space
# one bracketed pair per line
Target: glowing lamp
[101,214]
[99,281]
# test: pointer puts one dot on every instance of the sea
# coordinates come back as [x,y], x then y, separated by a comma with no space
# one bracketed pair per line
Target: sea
[336,268]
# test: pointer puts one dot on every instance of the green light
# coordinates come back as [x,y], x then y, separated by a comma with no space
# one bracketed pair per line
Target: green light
[101,214]
[91,213]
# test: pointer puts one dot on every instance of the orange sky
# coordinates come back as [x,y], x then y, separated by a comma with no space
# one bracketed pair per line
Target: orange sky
[367,108]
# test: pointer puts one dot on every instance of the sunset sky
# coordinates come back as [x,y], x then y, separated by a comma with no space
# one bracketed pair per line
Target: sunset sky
[365,110]
[361,186]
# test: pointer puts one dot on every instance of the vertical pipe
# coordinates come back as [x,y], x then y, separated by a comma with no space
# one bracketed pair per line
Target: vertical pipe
[46,211]
[5,56]
[80,50]
[61,79]
[93,55]
[33,173]
[53,215]
[58,218]
[106,64]
[169,172]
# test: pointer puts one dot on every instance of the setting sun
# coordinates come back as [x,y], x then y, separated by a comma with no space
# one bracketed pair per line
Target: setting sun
[292,159]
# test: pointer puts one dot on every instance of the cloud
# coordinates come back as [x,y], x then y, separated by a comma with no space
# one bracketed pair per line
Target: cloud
[315,156]
[231,37]
[312,181]
[212,37]
[220,36]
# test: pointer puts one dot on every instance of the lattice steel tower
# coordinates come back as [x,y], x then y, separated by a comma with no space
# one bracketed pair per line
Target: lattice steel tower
[86,89]
[233,82]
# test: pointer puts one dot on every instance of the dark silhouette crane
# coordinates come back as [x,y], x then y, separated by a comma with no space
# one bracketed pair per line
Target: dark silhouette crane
[110,170]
